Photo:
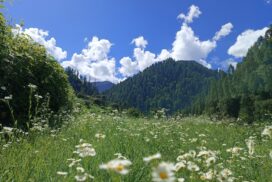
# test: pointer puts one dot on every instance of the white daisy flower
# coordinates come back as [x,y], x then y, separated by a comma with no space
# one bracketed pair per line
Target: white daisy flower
[118,165]
[164,173]
[61,173]
[85,150]
[152,157]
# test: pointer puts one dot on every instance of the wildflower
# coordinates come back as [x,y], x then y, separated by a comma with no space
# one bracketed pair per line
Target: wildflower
[250,145]
[8,97]
[120,156]
[8,129]
[225,175]
[100,136]
[83,177]
[191,166]
[267,131]
[190,154]
[164,172]
[270,154]
[3,88]
[117,165]
[73,162]
[85,150]
[153,157]
[234,150]
[210,161]
[62,173]
[207,176]
[80,169]
[38,96]
[180,165]
[181,180]
[32,86]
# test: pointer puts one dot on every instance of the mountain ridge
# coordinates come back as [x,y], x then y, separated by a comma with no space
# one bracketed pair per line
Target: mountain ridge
[169,84]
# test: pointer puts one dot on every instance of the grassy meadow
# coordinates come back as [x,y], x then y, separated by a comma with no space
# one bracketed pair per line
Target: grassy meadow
[187,149]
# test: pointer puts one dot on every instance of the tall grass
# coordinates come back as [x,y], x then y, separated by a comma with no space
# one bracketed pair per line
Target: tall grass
[44,156]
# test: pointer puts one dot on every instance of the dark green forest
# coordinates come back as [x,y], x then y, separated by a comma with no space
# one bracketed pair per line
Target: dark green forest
[244,93]
[169,84]
[187,87]
[80,84]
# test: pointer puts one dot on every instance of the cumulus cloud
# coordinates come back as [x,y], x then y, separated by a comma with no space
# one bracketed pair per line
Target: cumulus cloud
[140,42]
[225,30]
[186,46]
[42,37]
[244,41]
[128,67]
[93,61]
[194,12]
[165,54]
[142,58]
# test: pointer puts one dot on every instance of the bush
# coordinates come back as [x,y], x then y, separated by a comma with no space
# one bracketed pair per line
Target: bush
[25,70]
[133,112]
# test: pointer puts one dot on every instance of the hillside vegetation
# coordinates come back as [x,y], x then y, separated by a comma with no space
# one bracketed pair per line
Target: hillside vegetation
[169,84]
[247,91]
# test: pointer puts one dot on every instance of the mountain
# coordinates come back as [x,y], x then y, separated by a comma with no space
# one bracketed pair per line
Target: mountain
[80,84]
[169,84]
[247,91]
[103,86]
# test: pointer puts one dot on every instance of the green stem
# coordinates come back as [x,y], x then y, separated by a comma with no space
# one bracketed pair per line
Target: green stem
[29,109]
[15,123]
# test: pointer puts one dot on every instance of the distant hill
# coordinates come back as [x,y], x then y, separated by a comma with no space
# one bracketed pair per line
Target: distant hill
[103,86]
[169,84]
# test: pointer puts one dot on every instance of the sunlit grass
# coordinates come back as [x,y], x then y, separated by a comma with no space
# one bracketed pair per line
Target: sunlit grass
[43,157]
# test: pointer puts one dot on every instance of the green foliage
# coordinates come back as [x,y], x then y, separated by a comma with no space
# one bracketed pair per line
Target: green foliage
[246,92]
[133,112]
[40,156]
[168,84]
[80,84]
[24,62]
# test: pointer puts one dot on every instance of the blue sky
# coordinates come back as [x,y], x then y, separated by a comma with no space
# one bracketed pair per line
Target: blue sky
[121,21]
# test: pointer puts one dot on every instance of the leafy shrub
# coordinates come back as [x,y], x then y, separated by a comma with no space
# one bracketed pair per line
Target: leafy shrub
[24,62]
[133,112]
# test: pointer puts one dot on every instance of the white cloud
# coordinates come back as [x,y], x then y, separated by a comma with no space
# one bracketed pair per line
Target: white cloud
[140,42]
[128,67]
[42,37]
[97,50]
[245,41]
[142,58]
[94,62]
[194,12]
[225,30]
[165,54]
[186,46]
